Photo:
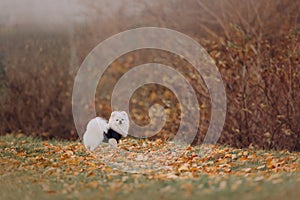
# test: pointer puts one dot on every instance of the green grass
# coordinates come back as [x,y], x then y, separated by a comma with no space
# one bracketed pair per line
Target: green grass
[28,171]
[25,185]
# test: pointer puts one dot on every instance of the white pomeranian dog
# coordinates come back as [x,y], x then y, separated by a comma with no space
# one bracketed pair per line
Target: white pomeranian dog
[98,130]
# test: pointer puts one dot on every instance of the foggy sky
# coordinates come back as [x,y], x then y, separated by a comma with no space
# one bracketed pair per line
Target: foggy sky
[47,13]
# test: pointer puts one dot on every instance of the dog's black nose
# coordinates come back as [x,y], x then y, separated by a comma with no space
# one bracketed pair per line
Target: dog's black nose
[120,122]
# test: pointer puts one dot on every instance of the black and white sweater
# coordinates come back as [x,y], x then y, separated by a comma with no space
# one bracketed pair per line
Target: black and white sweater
[111,134]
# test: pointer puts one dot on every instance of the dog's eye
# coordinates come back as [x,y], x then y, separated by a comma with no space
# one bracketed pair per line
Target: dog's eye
[117,119]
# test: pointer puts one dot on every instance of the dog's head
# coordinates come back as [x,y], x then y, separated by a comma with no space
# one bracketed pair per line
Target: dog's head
[119,122]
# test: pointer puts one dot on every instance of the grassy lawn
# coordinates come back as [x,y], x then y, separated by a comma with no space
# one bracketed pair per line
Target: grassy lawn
[36,169]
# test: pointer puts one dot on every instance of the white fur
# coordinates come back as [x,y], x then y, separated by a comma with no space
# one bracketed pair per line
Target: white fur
[93,135]
[119,122]
[113,142]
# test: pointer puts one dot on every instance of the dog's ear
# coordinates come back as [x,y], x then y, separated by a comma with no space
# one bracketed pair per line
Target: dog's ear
[124,113]
[113,114]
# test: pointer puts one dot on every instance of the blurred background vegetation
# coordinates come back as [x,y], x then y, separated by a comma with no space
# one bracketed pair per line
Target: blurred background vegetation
[255,44]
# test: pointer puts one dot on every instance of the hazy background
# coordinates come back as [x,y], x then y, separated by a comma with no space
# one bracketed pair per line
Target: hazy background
[255,45]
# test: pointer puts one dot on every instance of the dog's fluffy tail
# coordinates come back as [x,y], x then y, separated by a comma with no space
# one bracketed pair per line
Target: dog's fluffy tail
[93,135]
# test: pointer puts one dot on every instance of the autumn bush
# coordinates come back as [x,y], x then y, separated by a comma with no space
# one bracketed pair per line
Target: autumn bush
[36,96]
[262,90]
[254,44]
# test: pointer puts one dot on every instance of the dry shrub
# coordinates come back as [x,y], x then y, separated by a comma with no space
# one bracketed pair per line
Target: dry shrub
[262,90]
[37,85]
[259,62]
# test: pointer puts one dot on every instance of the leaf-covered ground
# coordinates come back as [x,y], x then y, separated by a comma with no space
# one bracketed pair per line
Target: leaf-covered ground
[143,169]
